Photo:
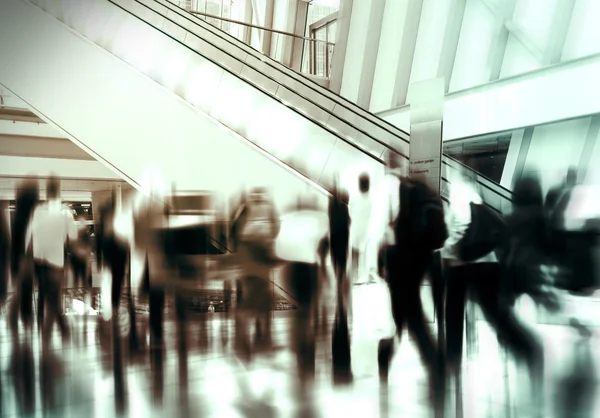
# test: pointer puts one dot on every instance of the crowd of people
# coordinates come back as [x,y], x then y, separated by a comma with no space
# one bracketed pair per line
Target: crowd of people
[389,236]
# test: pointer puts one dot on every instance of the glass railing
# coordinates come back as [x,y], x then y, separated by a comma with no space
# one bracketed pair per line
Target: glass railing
[316,54]
[493,194]
[308,88]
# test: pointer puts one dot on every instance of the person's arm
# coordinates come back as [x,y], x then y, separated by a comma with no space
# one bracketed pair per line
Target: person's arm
[29,231]
[71,226]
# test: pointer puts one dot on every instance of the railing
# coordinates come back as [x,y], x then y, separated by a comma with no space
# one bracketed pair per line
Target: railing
[316,55]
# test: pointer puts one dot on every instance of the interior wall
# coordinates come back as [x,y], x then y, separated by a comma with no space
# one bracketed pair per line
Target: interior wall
[554,148]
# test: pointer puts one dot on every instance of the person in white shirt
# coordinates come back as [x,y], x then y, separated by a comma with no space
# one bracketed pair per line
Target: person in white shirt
[361,209]
[51,226]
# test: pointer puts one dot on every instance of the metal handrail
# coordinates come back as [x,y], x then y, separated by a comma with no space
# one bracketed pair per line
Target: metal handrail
[479,175]
[239,22]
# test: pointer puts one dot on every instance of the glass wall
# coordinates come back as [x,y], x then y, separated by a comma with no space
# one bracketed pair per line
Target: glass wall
[500,39]
[547,151]
[321,25]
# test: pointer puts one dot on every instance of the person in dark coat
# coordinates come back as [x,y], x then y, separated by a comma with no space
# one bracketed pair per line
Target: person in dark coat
[339,243]
[27,198]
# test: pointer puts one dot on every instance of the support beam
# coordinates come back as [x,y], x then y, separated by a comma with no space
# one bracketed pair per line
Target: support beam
[498,46]
[523,151]
[247,31]
[42,129]
[407,51]
[451,38]
[26,146]
[299,46]
[341,45]
[43,167]
[370,53]
[561,22]
[268,24]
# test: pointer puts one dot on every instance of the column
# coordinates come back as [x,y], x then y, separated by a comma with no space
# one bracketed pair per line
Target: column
[407,52]
[426,113]
[341,45]
[361,38]
[371,50]
[450,43]
[389,55]
[268,24]
[298,45]
[247,31]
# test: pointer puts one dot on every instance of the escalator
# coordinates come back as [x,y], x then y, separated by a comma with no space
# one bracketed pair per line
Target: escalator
[225,83]
[140,100]
[369,125]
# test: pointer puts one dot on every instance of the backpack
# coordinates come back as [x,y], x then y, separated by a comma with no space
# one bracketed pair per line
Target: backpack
[422,217]
[486,232]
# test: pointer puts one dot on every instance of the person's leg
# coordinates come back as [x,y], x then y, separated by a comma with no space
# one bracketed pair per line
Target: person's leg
[52,302]
[157,304]
[57,278]
[41,274]
[456,293]
[511,331]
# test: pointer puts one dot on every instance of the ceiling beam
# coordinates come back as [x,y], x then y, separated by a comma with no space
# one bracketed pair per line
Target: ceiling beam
[41,147]
[17,114]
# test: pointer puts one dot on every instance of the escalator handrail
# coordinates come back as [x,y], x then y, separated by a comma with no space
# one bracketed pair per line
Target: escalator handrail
[311,84]
[259,88]
[479,175]
[486,186]
[445,199]
[275,64]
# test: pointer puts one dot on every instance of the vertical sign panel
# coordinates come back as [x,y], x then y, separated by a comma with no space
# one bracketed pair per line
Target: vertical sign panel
[426,100]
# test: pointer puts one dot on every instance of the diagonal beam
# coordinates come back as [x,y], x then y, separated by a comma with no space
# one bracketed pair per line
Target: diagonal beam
[407,51]
[451,39]
[561,22]
[498,46]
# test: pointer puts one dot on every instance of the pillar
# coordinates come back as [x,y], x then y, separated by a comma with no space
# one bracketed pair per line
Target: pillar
[426,112]
[298,45]
[341,45]
[407,52]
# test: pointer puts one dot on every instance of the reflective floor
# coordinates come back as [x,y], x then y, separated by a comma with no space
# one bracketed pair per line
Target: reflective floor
[90,376]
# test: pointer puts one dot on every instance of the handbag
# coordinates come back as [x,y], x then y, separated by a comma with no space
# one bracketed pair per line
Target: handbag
[486,232]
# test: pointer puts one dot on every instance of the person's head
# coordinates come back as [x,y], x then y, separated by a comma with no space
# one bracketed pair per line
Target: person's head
[395,162]
[528,191]
[52,188]
[27,195]
[364,183]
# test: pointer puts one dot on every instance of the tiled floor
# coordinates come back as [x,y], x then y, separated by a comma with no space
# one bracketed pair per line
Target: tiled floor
[88,377]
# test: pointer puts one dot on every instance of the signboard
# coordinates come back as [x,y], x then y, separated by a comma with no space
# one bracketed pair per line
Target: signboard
[426,100]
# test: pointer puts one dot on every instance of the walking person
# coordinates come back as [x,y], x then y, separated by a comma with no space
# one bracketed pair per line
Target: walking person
[22,268]
[52,227]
